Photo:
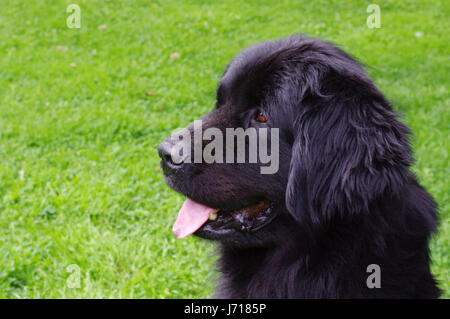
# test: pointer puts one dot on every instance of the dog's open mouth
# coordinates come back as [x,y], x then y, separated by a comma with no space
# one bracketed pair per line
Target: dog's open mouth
[193,216]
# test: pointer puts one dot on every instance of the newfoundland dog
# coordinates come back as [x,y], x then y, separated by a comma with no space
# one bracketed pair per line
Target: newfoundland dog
[341,216]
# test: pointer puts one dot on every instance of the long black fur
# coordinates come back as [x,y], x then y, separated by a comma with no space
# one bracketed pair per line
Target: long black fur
[346,197]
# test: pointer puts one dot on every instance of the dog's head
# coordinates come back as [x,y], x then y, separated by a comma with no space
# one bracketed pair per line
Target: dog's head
[319,142]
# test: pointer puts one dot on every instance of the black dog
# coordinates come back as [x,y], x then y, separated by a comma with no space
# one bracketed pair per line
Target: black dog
[343,199]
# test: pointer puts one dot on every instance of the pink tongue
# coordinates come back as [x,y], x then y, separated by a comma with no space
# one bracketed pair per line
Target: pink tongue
[190,218]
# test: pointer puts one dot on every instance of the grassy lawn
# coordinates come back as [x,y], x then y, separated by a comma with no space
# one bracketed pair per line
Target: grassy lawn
[82,111]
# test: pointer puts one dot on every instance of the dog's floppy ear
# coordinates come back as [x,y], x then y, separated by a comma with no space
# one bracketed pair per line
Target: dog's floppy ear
[348,151]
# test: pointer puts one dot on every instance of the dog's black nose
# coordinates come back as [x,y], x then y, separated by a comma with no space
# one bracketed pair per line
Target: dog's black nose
[168,161]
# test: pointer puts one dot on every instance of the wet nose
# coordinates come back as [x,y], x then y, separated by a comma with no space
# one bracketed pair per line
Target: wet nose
[165,152]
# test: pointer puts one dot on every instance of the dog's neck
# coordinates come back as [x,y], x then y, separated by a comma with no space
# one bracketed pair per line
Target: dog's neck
[260,272]
[287,264]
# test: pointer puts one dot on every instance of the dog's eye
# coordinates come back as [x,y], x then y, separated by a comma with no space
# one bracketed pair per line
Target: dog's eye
[261,118]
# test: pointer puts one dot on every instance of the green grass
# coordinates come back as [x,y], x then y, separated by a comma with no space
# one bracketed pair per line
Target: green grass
[79,173]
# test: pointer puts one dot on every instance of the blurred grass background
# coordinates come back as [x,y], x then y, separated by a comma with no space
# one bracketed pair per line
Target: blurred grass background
[82,111]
